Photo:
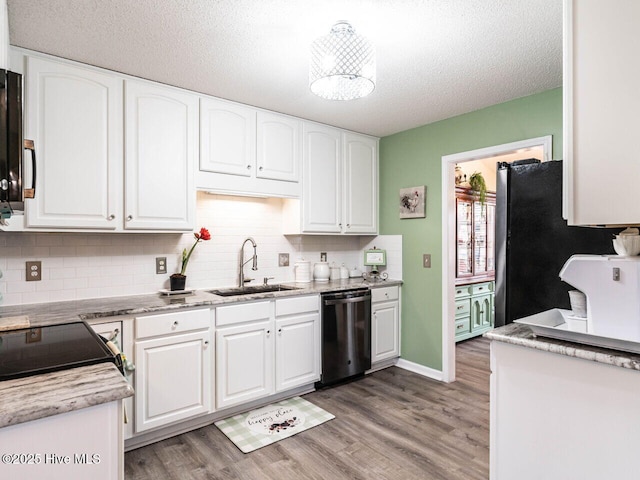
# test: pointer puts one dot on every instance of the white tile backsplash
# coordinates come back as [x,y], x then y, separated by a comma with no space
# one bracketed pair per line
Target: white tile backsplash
[91,265]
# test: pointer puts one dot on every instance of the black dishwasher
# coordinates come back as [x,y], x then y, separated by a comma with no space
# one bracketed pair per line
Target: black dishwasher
[346,334]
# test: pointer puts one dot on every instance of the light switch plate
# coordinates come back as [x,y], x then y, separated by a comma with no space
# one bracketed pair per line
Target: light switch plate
[426,260]
[323,256]
[33,271]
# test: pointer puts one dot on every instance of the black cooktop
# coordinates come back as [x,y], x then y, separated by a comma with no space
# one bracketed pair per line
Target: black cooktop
[34,351]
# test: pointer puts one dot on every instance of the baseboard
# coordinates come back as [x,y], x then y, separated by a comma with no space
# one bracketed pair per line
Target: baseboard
[420,369]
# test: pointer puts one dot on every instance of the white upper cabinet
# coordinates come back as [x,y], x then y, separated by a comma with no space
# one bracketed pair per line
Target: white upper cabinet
[340,183]
[112,154]
[360,184]
[278,147]
[248,151]
[601,105]
[161,147]
[227,137]
[322,186]
[74,116]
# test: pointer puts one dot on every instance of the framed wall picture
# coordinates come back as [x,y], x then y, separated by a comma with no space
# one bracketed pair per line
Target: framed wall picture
[413,202]
[375,257]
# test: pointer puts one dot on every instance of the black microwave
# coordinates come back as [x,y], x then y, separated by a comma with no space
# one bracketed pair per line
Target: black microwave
[12,145]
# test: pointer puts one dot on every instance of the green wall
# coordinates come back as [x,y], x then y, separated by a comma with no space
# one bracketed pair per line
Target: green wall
[414,157]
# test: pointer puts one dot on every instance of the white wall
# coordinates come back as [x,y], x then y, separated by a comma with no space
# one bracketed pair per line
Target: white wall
[79,265]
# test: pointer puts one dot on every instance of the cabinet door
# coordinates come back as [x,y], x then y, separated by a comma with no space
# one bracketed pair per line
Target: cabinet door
[479,236]
[244,363]
[173,379]
[297,351]
[385,329]
[227,137]
[161,144]
[321,191]
[278,147]
[464,247]
[360,184]
[481,312]
[601,104]
[74,116]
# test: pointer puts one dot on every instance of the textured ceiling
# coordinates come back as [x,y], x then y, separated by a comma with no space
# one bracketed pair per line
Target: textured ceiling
[436,58]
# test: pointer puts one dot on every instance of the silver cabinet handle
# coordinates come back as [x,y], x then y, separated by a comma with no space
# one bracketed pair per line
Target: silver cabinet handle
[129,218]
[348,225]
[111,217]
[279,330]
[206,342]
[248,167]
[175,324]
[260,168]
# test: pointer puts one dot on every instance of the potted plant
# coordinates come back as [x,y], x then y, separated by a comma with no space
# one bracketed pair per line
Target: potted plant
[179,280]
[479,186]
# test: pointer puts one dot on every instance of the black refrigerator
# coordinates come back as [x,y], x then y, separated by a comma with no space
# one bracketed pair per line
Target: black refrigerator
[533,241]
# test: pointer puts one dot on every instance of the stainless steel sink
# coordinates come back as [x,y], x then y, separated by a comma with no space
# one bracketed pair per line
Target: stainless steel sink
[252,289]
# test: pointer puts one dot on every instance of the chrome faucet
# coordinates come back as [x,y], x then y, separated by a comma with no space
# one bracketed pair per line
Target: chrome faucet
[242,263]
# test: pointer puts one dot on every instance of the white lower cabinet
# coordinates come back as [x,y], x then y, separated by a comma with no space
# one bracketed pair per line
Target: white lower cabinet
[385,323]
[297,344]
[266,347]
[244,359]
[173,368]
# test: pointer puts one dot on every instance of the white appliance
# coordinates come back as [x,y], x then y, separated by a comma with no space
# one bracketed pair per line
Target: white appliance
[612,287]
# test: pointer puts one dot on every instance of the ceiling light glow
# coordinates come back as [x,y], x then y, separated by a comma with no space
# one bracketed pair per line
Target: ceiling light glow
[342,65]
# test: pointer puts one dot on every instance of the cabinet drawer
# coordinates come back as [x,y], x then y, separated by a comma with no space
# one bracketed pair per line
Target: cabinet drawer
[481,288]
[383,294]
[168,323]
[463,325]
[463,291]
[290,306]
[463,307]
[245,312]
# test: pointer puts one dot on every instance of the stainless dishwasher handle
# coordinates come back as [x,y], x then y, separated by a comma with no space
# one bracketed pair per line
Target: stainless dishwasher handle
[345,300]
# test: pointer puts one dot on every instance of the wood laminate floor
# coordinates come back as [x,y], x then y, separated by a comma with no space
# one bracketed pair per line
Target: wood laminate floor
[392,425]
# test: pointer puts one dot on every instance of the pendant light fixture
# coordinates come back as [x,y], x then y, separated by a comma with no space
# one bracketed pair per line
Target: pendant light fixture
[343,64]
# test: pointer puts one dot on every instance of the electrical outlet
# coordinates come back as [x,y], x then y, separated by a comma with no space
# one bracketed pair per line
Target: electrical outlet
[426,260]
[161,265]
[34,271]
[323,256]
[283,259]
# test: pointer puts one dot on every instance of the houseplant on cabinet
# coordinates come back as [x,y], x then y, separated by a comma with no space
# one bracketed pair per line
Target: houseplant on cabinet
[479,186]
[179,280]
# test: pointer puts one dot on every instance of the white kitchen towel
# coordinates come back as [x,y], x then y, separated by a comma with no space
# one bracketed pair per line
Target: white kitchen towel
[267,425]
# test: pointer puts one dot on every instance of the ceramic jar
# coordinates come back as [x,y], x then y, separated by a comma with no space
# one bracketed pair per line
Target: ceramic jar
[302,269]
[344,272]
[334,272]
[321,272]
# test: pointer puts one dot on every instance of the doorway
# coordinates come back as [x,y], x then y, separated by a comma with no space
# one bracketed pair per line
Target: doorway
[506,152]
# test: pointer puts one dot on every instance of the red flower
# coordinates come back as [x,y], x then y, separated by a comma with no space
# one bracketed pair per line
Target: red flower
[186,255]
[203,235]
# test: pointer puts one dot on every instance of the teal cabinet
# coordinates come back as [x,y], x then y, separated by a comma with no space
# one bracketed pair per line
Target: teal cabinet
[473,310]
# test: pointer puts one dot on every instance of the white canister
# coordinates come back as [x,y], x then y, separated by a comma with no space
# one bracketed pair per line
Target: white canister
[334,272]
[302,269]
[344,272]
[321,272]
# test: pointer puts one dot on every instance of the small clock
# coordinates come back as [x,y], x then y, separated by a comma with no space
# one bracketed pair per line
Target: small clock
[375,257]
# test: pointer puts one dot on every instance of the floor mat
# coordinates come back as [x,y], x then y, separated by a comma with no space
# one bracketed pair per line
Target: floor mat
[267,425]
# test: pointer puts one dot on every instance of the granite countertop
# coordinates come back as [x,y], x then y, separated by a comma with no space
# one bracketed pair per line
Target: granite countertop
[517,334]
[41,314]
[39,396]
